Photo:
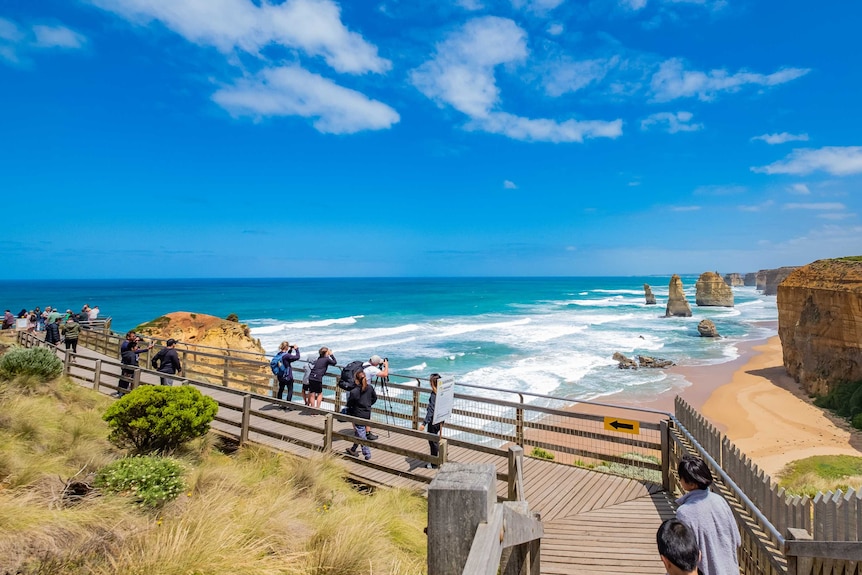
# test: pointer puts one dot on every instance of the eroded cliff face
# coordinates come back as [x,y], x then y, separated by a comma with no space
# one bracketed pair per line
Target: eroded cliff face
[650,297]
[775,277]
[750,279]
[820,323]
[734,280]
[677,305]
[713,291]
[201,329]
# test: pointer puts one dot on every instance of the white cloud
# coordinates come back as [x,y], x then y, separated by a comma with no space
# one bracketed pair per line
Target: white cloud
[57,37]
[672,123]
[684,208]
[556,29]
[633,4]
[836,216]
[9,31]
[293,91]
[720,190]
[781,138]
[471,5]
[824,206]
[509,185]
[758,207]
[801,189]
[462,75]
[567,75]
[835,160]
[313,26]
[538,6]
[673,81]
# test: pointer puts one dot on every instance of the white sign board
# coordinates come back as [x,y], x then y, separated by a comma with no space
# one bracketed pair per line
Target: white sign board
[21,323]
[445,399]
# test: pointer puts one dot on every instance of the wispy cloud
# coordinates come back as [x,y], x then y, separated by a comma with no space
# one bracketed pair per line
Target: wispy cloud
[671,122]
[471,5]
[57,37]
[294,91]
[313,26]
[17,41]
[633,4]
[822,206]
[567,75]
[673,81]
[720,190]
[837,216]
[509,185]
[556,29]
[539,6]
[801,189]
[835,160]
[781,138]
[462,75]
[757,207]
[684,208]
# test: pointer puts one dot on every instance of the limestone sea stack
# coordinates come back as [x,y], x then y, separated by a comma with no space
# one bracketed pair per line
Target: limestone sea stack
[820,323]
[201,329]
[760,279]
[750,279]
[713,291]
[775,277]
[706,328]
[650,297]
[677,305]
[734,280]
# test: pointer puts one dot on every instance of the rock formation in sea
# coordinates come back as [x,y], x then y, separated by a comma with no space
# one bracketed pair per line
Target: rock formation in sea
[713,291]
[775,277]
[750,279]
[734,280]
[820,323]
[650,297]
[654,362]
[201,329]
[677,305]
[706,328]
[760,279]
[624,362]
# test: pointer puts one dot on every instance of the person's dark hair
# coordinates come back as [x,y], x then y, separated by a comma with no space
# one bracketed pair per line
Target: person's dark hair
[434,379]
[323,351]
[693,469]
[677,543]
[360,379]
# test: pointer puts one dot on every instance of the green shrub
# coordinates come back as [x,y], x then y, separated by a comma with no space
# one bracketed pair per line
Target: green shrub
[232,317]
[857,421]
[540,453]
[38,362]
[159,418]
[845,399]
[152,481]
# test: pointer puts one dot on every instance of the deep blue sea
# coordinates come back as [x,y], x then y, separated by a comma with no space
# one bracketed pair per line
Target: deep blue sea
[544,335]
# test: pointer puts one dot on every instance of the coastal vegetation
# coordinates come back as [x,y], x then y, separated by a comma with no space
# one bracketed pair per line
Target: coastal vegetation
[73,502]
[845,400]
[822,473]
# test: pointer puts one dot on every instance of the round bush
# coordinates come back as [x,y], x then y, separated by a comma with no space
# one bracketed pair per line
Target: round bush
[159,418]
[152,481]
[38,362]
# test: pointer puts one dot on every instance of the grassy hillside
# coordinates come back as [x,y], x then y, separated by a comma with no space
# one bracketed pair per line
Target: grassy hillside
[244,512]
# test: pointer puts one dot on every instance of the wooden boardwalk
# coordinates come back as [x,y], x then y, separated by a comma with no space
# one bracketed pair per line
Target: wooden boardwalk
[594,522]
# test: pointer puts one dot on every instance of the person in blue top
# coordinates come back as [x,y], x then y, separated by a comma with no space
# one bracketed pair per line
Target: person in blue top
[287,354]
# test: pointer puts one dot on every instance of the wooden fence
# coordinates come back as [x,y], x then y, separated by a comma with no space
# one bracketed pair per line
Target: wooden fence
[816,536]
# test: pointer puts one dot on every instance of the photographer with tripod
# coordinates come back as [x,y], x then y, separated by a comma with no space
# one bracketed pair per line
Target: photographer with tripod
[373,370]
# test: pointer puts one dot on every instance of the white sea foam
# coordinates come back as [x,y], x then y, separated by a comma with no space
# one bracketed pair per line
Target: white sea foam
[639,292]
[420,367]
[305,324]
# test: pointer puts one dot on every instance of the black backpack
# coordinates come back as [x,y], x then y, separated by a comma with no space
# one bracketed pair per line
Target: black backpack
[347,381]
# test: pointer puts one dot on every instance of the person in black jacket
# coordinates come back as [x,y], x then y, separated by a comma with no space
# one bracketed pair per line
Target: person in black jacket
[429,419]
[130,359]
[359,403]
[312,393]
[52,332]
[167,361]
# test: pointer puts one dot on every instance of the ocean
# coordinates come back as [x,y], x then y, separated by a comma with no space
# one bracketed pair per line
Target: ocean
[552,336]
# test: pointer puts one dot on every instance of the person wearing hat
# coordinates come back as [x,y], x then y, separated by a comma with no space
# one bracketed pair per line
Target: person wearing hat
[372,369]
[167,361]
[71,331]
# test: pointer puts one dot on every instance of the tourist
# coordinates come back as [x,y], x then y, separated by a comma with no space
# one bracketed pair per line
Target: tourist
[287,355]
[71,330]
[373,371]
[709,517]
[315,379]
[167,361]
[8,320]
[130,359]
[428,422]
[52,332]
[40,320]
[93,313]
[677,547]
[359,402]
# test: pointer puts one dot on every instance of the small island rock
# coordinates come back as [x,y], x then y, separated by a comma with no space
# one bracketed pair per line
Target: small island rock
[706,328]
[650,297]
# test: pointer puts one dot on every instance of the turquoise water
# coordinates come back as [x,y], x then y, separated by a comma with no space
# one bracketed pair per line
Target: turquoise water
[543,335]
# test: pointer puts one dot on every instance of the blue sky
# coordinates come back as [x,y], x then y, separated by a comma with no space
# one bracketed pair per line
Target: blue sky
[220,138]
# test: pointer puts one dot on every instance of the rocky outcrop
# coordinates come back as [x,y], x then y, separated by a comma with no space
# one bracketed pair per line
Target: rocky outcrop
[750,279]
[650,297]
[644,361]
[820,323]
[734,280]
[624,362]
[760,279]
[200,329]
[677,305]
[775,277]
[712,291]
[706,328]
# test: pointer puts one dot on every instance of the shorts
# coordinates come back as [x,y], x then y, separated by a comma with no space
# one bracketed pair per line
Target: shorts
[313,387]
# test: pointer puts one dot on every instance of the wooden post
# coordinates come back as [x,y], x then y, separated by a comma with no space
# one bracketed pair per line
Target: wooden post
[67,360]
[327,433]
[519,425]
[97,374]
[516,473]
[136,379]
[246,416]
[416,406]
[460,497]
[443,453]
[799,565]
[224,376]
[665,426]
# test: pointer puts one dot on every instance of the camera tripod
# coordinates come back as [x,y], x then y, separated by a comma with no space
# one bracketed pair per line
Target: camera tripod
[383,382]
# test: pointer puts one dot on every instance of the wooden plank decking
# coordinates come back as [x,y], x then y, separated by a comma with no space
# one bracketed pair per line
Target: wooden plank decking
[594,522]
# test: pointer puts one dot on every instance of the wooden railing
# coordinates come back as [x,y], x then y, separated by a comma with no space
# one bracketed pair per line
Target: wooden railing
[782,533]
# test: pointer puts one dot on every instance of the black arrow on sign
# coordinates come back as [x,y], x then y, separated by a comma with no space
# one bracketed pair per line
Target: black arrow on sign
[618,425]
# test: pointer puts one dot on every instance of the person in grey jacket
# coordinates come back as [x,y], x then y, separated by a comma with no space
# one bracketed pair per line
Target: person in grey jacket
[429,419]
[709,516]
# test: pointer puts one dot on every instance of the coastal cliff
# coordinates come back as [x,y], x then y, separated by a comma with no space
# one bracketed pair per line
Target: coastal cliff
[734,280]
[820,323]
[201,329]
[750,279]
[775,277]
[713,291]
[677,305]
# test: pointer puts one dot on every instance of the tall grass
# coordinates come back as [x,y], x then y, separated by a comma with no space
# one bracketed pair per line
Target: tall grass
[249,512]
[822,473]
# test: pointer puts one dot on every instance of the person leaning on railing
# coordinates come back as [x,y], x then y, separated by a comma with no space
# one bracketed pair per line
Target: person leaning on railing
[429,419]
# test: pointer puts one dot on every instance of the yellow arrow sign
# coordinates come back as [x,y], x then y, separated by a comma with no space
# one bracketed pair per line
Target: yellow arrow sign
[624,425]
